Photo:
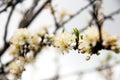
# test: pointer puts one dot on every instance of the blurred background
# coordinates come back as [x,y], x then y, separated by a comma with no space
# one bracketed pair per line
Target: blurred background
[73,65]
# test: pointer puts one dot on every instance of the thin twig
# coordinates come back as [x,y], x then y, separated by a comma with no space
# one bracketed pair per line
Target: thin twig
[77,13]
[111,14]
[106,17]
[57,25]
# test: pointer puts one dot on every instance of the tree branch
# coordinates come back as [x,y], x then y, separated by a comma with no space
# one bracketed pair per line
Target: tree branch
[10,4]
[27,19]
[57,25]
[6,44]
[111,14]
[77,13]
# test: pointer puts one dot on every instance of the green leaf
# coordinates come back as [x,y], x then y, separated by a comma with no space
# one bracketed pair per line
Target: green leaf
[63,30]
[76,32]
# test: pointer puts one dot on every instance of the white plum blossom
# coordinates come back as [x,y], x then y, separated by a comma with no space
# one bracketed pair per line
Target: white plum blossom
[64,41]
[25,44]
[91,37]
[16,68]
[20,36]
[111,41]
[23,39]
[14,50]
[84,46]
[89,40]
[91,33]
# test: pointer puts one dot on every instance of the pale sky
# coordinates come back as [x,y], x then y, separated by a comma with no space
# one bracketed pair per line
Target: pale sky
[45,65]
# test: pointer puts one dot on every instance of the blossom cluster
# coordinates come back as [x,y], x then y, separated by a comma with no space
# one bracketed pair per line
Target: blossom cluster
[17,67]
[64,41]
[89,40]
[110,41]
[91,37]
[24,44]
[22,48]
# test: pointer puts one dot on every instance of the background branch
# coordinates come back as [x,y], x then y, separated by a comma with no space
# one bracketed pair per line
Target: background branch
[28,18]
[57,25]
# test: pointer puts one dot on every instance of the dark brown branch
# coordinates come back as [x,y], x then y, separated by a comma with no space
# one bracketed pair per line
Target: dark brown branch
[35,3]
[10,4]
[99,26]
[7,6]
[26,22]
[31,9]
[6,44]
[95,14]
[7,24]
[99,23]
